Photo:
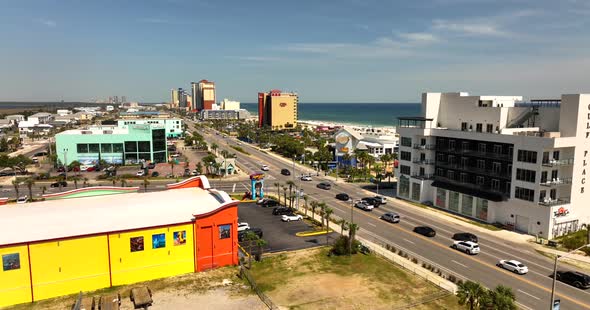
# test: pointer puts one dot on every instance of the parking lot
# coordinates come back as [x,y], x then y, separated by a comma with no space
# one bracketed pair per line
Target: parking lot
[279,235]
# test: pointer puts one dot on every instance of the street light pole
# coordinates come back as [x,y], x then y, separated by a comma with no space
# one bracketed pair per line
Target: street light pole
[66,163]
[557,257]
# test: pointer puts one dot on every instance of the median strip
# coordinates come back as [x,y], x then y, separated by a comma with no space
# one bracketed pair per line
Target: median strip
[313,233]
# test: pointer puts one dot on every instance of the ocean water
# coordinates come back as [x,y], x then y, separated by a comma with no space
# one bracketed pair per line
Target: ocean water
[374,114]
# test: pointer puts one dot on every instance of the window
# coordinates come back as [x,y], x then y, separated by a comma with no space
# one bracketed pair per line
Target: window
[467,205]
[479,180]
[545,158]
[451,145]
[553,175]
[478,127]
[481,209]
[441,198]
[526,175]
[553,194]
[440,172]
[496,167]
[452,159]
[422,171]
[495,184]
[93,148]
[416,191]
[406,156]
[556,155]
[454,201]
[441,157]
[118,148]
[422,141]
[451,174]
[406,141]
[544,177]
[130,146]
[82,148]
[524,193]
[527,156]
[463,177]
[481,164]
[422,157]
[489,128]
[144,146]
[10,261]
[106,148]
[224,231]
[404,187]
[464,126]
[481,147]
[497,149]
[404,169]
[542,195]
[464,162]
[465,146]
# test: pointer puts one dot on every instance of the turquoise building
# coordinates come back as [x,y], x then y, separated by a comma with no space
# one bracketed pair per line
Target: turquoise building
[173,126]
[116,145]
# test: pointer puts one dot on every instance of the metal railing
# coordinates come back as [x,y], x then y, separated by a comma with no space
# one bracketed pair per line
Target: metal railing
[548,202]
[556,182]
[245,273]
[423,162]
[424,146]
[559,162]
[423,176]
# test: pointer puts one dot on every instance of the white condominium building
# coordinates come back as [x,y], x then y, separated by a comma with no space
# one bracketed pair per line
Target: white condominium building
[499,159]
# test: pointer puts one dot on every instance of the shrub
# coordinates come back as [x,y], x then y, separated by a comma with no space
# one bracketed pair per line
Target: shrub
[452,278]
[340,247]
[400,252]
[424,265]
[414,260]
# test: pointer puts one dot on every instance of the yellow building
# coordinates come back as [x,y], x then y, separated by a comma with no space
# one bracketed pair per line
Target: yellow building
[277,109]
[86,239]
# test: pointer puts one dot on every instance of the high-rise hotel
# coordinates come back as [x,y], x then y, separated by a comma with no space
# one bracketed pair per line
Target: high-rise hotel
[277,109]
[499,159]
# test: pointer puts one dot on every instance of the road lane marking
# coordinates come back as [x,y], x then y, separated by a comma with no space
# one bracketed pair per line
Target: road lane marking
[535,297]
[371,224]
[456,262]
[412,242]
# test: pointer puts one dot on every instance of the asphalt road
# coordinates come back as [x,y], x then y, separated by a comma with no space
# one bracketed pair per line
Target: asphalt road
[532,290]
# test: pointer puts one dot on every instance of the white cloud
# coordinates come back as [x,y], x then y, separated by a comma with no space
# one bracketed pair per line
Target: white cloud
[47,22]
[469,28]
[419,37]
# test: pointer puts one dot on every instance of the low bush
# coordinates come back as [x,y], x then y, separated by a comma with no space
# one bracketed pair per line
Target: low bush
[340,247]
[414,260]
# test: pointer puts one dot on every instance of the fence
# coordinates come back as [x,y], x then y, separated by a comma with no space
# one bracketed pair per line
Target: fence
[244,273]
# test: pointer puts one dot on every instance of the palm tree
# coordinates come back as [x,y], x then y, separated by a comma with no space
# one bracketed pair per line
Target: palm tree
[352,229]
[471,294]
[502,297]
[75,179]
[145,183]
[328,212]
[343,226]
[322,205]
[278,185]
[172,163]
[214,147]
[314,205]
[305,199]
[29,182]
[285,194]
[123,182]
[199,168]
[85,184]
[291,184]
[16,183]
[115,179]
[43,190]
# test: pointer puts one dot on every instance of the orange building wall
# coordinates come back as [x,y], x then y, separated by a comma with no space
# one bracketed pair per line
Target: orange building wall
[214,248]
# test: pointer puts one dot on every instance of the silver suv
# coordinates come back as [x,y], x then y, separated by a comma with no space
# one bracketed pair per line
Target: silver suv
[468,247]
[390,217]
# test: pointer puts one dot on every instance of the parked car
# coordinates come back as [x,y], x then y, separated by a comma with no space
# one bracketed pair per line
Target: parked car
[140,173]
[371,201]
[305,178]
[5,173]
[281,211]
[465,237]
[324,185]
[243,226]
[90,169]
[242,234]
[363,206]
[155,174]
[195,172]
[390,217]
[35,160]
[291,217]
[466,246]
[22,199]
[513,265]
[264,168]
[266,202]
[61,169]
[343,196]
[285,172]
[382,199]
[59,183]
[425,231]
[574,278]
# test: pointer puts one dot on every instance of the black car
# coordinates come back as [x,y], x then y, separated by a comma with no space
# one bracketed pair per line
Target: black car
[465,237]
[242,234]
[574,278]
[281,211]
[59,183]
[343,196]
[372,201]
[425,231]
[324,185]
[155,174]
[268,203]
[285,172]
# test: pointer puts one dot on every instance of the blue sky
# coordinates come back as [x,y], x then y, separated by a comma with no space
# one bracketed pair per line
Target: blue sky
[327,51]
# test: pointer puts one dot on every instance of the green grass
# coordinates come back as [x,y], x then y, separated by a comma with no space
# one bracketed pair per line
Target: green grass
[239,149]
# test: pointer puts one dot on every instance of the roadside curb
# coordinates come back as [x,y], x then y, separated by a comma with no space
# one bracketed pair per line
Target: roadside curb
[313,233]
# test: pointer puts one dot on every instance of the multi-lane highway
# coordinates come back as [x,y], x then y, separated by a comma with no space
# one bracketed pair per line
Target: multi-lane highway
[533,290]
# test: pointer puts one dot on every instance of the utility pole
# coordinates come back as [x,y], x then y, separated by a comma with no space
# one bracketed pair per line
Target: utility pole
[557,257]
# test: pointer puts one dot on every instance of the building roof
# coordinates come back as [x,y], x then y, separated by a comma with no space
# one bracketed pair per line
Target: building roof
[55,219]
[41,114]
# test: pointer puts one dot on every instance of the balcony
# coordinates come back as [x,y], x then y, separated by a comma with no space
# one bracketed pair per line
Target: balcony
[423,162]
[549,202]
[560,162]
[477,190]
[475,170]
[473,153]
[423,176]
[424,146]
[556,182]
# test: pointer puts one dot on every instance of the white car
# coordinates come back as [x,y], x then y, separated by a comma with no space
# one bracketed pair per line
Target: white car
[381,199]
[468,247]
[305,178]
[513,265]
[363,205]
[243,226]
[140,173]
[291,217]
[22,199]
[264,168]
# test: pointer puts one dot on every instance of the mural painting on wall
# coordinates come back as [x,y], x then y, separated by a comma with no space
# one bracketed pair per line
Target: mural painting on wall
[224,231]
[179,237]
[158,241]
[136,244]
[10,261]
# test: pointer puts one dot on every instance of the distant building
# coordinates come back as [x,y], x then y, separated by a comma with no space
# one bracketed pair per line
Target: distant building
[173,126]
[144,114]
[277,110]
[63,112]
[110,108]
[375,141]
[230,105]
[40,118]
[203,94]
[174,103]
[5,125]
[16,118]
[26,128]
[224,114]
[115,145]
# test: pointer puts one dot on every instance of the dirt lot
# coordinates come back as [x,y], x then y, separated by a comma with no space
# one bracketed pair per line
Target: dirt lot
[215,289]
[309,279]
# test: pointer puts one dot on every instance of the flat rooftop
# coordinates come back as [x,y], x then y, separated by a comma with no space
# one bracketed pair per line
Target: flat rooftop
[55,219]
